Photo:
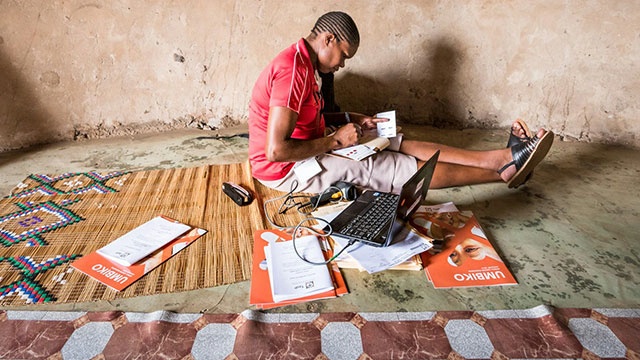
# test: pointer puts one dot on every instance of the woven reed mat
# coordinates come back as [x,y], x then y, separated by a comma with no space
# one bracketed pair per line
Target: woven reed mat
[43,231]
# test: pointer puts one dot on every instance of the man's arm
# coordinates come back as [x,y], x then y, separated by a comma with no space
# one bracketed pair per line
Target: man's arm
[365,121]
[282,148]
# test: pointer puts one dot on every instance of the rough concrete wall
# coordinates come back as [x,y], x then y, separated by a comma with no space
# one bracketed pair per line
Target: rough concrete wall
[74,69]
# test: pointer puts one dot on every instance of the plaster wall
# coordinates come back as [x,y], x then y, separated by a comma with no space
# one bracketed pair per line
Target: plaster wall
[83,69]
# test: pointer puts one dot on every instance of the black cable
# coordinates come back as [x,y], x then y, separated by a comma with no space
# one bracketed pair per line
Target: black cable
[325,196]
[221,137]
[323,235]
[289,197]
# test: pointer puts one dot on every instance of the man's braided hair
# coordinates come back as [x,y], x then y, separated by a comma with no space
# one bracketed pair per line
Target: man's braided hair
[339,24]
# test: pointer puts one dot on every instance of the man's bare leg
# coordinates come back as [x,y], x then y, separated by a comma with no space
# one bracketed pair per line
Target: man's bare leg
[450,175]
[469,160]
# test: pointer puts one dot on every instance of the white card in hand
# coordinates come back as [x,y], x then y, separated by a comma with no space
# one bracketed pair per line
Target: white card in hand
[388,128]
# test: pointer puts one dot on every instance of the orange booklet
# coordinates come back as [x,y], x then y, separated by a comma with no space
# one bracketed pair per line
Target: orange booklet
[118,276]
[260,292]
[467,258]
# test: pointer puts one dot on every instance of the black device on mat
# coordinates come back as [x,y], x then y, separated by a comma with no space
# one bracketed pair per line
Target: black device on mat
[339,190]
[237,193]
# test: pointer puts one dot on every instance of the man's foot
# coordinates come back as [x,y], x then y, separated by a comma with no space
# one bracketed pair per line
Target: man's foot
[519,133]
[526,156]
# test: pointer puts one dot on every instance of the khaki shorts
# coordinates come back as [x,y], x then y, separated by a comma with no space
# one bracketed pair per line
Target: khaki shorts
[385,171]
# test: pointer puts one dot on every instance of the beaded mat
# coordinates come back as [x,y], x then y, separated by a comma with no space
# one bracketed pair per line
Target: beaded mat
[49,221]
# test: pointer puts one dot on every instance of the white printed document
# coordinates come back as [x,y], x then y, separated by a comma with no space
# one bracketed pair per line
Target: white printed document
[290,276]
[370,143]
[373,259]
[143,240]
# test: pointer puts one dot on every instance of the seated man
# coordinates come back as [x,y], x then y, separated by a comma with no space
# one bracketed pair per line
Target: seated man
[287,125]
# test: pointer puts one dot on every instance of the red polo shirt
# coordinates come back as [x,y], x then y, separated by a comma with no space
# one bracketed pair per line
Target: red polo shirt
[287,81]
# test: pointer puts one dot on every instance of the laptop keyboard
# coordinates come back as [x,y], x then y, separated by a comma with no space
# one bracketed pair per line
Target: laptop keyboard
[372,218]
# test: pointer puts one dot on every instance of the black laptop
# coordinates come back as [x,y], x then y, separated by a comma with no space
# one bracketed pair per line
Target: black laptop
[370,218]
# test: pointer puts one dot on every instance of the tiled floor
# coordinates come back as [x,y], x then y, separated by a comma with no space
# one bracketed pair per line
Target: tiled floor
[536,333]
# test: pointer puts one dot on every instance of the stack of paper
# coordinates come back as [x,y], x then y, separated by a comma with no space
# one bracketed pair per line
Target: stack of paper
[467,258]
[400,255]
[346,261]
[280,277]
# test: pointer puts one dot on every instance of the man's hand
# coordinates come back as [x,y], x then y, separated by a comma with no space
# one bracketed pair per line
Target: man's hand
[365,121]
[347,135]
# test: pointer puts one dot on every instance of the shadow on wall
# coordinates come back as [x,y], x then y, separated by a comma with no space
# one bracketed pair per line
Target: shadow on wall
[425,94]
[23,119]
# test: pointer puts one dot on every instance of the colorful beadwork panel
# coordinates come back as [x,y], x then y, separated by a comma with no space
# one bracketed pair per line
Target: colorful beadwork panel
[70,184]
[40,235]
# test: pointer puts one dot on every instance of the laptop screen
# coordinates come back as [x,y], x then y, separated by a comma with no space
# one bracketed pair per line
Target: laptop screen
[415,190]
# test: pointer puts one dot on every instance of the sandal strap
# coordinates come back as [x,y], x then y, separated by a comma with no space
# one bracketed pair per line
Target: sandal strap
[515,140]
[521,153]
